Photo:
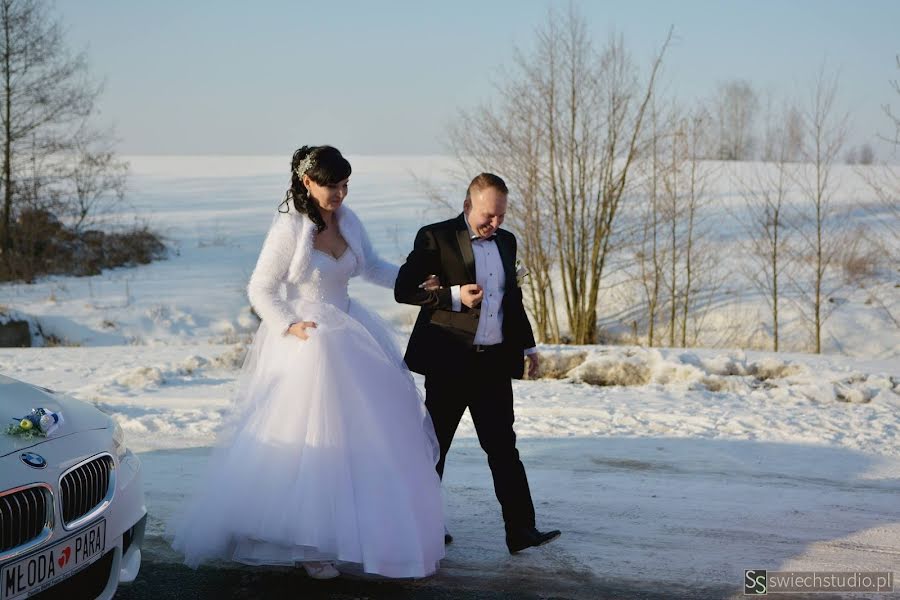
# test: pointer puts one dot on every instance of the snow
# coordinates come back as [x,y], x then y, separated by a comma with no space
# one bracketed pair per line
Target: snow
[657,464]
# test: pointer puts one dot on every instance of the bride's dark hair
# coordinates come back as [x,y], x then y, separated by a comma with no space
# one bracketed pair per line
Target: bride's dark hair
[327,167]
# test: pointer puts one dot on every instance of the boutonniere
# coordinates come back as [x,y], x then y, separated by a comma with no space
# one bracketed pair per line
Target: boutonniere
[521,273]
[41,422]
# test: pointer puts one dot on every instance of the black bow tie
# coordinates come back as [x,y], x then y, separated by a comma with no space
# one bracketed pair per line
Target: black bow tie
[476,238]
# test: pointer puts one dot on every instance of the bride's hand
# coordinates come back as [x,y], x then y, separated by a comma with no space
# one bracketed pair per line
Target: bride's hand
[299,329]
[431,284]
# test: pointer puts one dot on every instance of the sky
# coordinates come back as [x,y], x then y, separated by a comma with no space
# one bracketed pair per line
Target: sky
[390,76]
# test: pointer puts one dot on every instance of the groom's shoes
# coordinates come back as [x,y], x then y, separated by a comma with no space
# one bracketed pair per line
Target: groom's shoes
[528,537]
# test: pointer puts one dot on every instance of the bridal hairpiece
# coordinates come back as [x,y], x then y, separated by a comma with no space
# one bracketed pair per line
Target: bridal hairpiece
[304,165]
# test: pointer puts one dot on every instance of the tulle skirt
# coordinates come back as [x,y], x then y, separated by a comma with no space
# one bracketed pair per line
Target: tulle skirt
[328,455]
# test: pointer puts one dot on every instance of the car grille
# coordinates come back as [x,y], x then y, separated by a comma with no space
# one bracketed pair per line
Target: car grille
[24,514]
[85,488]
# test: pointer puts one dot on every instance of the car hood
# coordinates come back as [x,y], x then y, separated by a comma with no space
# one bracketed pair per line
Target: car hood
[18,398]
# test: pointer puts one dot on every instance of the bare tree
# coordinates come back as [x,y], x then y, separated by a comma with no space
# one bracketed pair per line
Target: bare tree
[684,180]
[883,181]
[95,176]
[891,115]
[672,213]
[736,104]
[764,217]
[866,154]
[862,155]
[587,110]
[697,263]
[825,133]
[793,136]
[45,93]
[650,253]
[783,137]
[37,201]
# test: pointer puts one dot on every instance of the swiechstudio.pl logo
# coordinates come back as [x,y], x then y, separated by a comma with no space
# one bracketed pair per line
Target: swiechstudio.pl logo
[759,582]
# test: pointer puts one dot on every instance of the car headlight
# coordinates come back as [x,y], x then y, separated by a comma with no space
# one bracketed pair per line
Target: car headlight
[119,441]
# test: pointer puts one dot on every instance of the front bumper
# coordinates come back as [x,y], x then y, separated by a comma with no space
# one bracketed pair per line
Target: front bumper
[125,514]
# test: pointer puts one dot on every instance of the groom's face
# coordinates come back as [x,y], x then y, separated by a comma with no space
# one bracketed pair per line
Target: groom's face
[485,210]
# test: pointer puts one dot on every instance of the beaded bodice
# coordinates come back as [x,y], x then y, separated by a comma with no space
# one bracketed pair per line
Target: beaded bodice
[327,278]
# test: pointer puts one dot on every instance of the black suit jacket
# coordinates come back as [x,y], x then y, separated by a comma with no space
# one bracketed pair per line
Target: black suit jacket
[445,249]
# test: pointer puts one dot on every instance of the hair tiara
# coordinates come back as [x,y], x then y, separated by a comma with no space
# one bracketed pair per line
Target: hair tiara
[304,165]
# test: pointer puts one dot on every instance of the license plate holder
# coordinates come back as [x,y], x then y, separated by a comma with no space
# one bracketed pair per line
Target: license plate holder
[52,564]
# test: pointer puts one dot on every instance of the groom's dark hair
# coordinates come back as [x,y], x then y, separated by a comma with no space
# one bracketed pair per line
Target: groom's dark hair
[486,180]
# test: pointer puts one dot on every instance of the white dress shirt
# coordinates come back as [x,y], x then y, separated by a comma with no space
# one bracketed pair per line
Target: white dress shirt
[490,275]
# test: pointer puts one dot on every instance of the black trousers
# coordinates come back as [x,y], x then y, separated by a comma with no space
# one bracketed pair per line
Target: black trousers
[480,382]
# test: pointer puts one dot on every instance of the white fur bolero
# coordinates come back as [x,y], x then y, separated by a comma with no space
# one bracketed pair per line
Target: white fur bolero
[285,255]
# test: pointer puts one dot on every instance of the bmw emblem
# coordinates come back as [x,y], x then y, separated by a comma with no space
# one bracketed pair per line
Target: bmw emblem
[34,460]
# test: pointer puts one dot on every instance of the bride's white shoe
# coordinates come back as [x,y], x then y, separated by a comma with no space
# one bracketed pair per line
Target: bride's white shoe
[321,570]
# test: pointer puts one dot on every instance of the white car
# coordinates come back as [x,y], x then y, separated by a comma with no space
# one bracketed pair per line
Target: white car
[72,511]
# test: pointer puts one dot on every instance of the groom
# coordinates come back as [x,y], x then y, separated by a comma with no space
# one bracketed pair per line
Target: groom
[471,338]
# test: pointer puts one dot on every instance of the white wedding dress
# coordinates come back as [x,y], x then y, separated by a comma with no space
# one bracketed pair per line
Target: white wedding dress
[329,453]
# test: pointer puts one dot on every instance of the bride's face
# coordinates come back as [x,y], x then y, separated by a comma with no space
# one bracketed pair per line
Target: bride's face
[328,197]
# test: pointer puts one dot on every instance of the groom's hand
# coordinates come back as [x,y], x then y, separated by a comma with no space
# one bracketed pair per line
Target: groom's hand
[471,294]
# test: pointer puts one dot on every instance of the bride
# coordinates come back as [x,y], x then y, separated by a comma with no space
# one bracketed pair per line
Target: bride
[328,459]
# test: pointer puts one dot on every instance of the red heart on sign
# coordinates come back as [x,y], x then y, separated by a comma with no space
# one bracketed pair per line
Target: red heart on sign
[64,557]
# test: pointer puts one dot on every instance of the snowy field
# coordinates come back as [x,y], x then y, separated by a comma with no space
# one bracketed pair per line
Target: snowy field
[684,465]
